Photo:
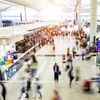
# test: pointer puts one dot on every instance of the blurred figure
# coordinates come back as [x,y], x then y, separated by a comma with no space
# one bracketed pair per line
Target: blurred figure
[23,88]
[56,72]
[70,75]
[63,59]
[1,78]
[77,44]
[37,88]
[83,53]
[4,91]
[68,51]
[28,87]
[98,82]
[74,52]
[70,60]
[56,95]
[77,76]
[28,68]
[53,48]
[29,84]
[34,58]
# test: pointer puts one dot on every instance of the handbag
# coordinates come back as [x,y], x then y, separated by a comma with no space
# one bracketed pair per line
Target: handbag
[23,89]
[39,87]
[72,77]
[59,72]
[67,67]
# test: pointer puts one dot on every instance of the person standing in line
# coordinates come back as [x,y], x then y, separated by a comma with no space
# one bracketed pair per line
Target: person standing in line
[70,75]
[4,91]
[56,72]
[37,88]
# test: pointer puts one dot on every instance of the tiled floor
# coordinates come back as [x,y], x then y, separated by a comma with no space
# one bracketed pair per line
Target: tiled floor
[45,71]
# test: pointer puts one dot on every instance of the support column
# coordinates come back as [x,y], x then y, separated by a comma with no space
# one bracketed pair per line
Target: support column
[79,14]
[74,17]
[37,16]
[25,15]
[1,25]
[93,20]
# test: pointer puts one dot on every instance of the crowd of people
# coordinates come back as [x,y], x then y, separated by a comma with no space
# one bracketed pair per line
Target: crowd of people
[45,36]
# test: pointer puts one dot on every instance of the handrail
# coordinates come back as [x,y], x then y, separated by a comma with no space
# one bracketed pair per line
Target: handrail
[21,57]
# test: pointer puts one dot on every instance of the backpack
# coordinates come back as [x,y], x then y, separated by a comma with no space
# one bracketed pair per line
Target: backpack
[23,89]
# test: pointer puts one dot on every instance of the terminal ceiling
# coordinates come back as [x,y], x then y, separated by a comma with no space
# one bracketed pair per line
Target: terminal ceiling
[67,5]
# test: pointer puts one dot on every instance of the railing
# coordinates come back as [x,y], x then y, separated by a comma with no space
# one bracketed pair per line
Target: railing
[8,72]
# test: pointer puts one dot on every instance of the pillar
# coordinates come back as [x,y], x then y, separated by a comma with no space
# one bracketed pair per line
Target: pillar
[79,14]
[25,15]
[37,16]
[1,25]
[93,20]
[74,17]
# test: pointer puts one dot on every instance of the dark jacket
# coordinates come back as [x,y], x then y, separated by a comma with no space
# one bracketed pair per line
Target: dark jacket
[56,68]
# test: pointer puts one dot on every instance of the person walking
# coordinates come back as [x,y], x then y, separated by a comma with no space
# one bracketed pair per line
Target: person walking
[37,88]
[28,87]
[74,52]
[4,91]
[68,51]
[77,43]
[70,75]
[98,82]
[23,89]
[83,54]
[77,76]
[56,95]
[56,72]
[1,78]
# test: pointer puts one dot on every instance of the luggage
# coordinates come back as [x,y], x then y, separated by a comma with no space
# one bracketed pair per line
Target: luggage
[59,72]
[86,86]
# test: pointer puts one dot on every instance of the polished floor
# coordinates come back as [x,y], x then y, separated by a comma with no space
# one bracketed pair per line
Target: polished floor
[45,71]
